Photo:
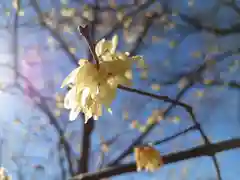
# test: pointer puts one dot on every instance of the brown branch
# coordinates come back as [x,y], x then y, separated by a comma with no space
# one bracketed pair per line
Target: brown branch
[191,128]
[163,98]
[214,158]
[84,31]
[86,146]
[207,142]
[199,151]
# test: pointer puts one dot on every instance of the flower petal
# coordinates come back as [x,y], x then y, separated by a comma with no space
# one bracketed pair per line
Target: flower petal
[99,47]
[69,100]
[73,114]
[70,78]
[85,95]
[114,43]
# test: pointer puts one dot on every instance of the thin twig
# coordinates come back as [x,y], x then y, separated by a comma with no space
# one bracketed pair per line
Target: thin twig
[155,96]
[118,25]
[53,32]
[191,128]
[84,32]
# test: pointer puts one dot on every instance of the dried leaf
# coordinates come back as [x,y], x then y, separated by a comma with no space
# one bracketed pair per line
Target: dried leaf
[147,158]
[155,87]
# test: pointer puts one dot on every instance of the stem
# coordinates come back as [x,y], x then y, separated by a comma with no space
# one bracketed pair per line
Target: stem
[155,96]
[84,31]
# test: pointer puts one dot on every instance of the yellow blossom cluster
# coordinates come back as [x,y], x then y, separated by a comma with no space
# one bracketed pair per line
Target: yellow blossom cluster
[94,85]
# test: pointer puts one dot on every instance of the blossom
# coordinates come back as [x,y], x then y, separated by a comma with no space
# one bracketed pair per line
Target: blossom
[94,86]
[3,175]
[148,158]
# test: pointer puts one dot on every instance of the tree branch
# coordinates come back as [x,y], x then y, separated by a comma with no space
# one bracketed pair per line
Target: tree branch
[191,128]
[86,146]
[53,32]
[164,98]
[199,151]
[132,13]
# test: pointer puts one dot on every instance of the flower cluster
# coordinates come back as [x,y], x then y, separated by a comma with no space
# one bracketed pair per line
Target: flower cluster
[147,158]
[94,85]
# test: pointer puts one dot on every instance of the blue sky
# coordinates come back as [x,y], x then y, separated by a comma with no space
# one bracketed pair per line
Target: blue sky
[29,140]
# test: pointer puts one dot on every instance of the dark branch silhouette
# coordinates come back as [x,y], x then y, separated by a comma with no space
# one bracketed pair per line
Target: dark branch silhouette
[199,151]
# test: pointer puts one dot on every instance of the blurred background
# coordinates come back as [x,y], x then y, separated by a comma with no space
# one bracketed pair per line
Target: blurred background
[191,52]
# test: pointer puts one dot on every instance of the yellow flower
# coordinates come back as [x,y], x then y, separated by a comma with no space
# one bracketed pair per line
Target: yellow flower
[147,158]
[3,175]
[94,86]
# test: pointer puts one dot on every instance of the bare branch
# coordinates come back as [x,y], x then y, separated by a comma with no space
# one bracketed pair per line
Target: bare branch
[214,158]
[191,128]
[53,32]
[164,98]
[118,25]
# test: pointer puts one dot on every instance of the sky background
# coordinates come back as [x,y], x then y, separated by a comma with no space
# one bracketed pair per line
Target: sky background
[28,141]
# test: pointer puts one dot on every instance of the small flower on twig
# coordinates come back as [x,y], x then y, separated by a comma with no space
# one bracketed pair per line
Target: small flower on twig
[147,158]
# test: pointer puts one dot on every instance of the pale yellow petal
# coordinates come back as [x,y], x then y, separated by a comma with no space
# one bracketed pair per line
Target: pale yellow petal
[96,109]
[85,95]
[107,95]
[99,47]
[70,78]
[73,114]
[69,99]
[114,43]
[88,115]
